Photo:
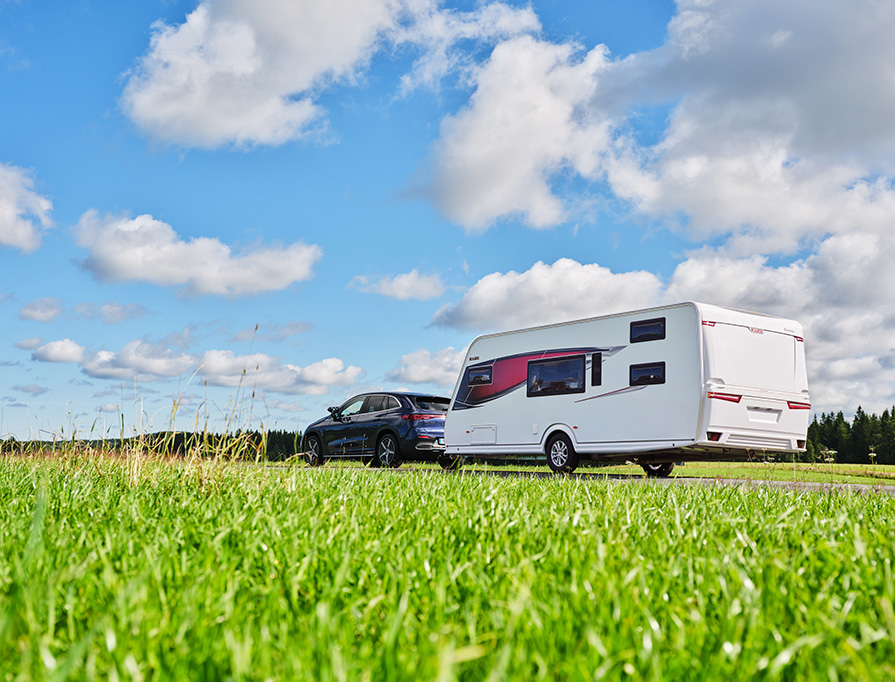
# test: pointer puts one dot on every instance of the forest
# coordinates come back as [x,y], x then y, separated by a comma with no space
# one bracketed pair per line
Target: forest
[867,439]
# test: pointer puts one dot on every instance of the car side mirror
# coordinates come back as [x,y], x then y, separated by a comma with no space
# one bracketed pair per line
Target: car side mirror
[334,412]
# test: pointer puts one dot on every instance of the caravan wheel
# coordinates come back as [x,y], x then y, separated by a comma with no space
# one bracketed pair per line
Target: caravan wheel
[451,462]
[561,456]
[658,470]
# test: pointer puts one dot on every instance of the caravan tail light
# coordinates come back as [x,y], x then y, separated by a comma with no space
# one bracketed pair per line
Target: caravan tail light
[713,436]
[708,323]
[793,405]
[729,397]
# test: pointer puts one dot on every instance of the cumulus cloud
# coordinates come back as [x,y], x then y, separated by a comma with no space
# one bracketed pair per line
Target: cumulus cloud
[526,121]
[566,290]
[144,249]
[24,214]
[248,72]
[778,129]
[42,310]
[64,350]
[29,343]
[224,368]
[411,285]
[439,30]
[142,360]
[425,367]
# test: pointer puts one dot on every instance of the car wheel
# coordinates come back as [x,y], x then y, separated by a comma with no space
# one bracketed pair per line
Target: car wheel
[658,470]
[314,451]
[388,454]
[451,462]
[561,456]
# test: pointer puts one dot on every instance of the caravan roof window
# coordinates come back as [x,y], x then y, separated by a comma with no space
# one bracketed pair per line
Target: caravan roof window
[648,330]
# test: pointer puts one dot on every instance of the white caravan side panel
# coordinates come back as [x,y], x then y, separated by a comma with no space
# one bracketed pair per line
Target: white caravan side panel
[625,406]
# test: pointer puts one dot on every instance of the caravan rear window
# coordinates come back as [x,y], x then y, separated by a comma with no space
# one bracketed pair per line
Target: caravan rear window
[648,330]
[478,376]
[556,376]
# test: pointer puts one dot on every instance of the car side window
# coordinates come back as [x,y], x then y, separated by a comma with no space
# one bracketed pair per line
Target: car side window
[352,407]
[375,403]
[390,402]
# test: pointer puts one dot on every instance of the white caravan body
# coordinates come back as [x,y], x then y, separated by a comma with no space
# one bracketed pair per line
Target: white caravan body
[682,382]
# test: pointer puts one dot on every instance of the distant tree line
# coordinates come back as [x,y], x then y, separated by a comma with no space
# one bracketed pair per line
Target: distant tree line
[868,439]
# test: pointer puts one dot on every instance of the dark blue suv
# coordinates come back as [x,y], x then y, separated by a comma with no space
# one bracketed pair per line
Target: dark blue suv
[383,429]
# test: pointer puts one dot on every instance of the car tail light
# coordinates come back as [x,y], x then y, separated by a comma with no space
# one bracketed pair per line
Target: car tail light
[793,405]
[713,436]
[729,397]
[421,417]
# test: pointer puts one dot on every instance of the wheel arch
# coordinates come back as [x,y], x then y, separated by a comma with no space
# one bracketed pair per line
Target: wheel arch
[318,436]
[555,429]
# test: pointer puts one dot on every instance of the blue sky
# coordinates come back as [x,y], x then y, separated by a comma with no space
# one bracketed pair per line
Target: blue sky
[372,183]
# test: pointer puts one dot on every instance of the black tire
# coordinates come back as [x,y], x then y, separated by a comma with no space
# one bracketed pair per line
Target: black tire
[662,470]
[314,451]
[561,456]
[451,462]
[388,452]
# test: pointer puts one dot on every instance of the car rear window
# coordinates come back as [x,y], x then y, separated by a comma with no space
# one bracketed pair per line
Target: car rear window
[430,402]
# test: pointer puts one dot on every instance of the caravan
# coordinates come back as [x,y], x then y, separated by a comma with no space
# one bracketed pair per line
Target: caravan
[681,382]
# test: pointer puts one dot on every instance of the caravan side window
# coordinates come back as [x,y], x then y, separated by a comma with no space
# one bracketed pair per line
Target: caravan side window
[646,374]
[556,376]
[596,370]
[478,376]
[648,330]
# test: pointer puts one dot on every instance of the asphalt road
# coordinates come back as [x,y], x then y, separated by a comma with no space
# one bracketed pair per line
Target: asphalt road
[858,488]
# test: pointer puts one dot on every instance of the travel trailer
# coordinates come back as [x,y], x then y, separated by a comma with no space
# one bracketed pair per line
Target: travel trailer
[683,382]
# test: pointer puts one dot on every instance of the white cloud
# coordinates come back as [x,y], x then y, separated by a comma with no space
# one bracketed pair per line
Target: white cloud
[526,121]
[566,290]
[139,360]
[42,310]
[248,72]
[780,126]
[425,367]
[64,350]
[29,343]
[411,285]
[145,249]
[438,31]
[224,368]
[143,360]
[24,214]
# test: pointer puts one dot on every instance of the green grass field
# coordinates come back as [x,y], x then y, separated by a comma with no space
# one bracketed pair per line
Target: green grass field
[136,569]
